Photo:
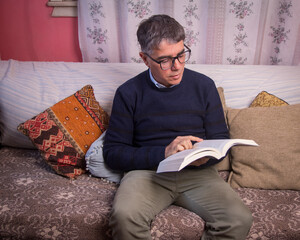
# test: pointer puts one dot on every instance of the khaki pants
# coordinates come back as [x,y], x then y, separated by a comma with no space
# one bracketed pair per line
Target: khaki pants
[143,194]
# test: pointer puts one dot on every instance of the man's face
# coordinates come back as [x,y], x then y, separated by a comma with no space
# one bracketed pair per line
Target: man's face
[170,76]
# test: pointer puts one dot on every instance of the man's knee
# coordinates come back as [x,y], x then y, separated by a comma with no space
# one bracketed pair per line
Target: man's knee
[245,219]
[129,224]
[233,222]
[125,213]
[241,221]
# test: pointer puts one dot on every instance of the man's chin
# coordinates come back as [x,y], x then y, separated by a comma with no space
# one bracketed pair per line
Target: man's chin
[174,80]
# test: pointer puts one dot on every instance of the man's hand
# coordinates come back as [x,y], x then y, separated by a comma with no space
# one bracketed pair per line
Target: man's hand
[181,143]
[199,161]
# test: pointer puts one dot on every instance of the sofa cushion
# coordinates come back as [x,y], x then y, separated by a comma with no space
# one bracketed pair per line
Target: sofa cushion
[35,204]
[275,163]
[64,132]
[224,165]
[265,99]
[275,213]
[95,162]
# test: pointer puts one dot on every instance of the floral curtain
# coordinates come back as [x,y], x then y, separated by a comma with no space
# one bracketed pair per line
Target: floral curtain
[218,31]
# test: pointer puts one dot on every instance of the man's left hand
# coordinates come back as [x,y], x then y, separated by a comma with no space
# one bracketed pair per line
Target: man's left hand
[199,161]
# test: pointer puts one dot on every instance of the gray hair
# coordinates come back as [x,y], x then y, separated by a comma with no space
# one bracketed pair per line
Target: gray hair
[153,30]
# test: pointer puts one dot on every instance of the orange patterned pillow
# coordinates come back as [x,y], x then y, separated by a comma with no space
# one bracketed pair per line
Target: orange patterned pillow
[64,132]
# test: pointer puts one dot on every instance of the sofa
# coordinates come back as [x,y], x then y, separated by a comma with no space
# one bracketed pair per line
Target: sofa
[44,195]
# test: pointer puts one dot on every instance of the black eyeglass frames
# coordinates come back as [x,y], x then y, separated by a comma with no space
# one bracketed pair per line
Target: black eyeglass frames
[168,62]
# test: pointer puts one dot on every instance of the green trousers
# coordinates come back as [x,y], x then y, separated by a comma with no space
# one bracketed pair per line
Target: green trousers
[143,194]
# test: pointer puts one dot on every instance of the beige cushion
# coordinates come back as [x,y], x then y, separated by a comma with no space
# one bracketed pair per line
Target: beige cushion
[222,97]
[224,165]
[275,164]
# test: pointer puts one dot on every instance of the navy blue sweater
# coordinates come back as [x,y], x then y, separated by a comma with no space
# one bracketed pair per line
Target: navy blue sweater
[145,119]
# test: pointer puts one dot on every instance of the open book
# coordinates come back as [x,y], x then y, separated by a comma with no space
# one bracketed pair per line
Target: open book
[207,148]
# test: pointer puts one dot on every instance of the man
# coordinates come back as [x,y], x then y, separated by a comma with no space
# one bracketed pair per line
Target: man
[162,111]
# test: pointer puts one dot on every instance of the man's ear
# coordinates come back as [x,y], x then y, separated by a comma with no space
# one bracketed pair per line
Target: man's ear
[145,58]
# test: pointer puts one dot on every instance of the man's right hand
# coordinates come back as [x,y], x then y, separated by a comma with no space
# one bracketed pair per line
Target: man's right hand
[181,143]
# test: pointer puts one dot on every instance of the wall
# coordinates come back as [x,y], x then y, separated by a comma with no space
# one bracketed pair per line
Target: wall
[29,33]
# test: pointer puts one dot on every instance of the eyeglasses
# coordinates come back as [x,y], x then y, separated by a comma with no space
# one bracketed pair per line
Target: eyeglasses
[168,62]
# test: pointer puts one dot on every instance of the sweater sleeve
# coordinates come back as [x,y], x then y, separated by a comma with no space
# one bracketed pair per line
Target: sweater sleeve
[120,152]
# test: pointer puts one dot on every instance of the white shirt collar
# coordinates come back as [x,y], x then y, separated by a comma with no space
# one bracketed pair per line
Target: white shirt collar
[157,84]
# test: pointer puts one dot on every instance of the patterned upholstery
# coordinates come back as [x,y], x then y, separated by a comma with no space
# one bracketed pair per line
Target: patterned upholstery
[36,203]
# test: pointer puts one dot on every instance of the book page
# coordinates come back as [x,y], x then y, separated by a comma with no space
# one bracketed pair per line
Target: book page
[216,144]
[223,145]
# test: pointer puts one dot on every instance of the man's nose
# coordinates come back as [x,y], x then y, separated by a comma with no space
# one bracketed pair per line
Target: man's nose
[176,64]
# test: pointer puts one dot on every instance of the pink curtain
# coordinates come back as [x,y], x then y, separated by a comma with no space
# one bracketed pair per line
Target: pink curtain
[218,31]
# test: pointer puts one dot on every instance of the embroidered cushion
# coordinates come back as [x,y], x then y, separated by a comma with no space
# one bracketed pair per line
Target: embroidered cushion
[265,99]
[64,132]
